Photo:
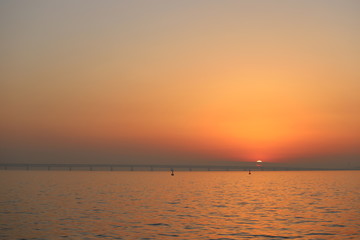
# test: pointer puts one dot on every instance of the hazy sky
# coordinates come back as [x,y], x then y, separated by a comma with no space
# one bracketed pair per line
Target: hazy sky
[180,81]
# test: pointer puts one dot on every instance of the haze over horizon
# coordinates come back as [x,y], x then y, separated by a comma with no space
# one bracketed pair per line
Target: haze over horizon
[180,82]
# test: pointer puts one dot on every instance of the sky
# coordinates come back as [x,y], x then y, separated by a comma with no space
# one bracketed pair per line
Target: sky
[180,82]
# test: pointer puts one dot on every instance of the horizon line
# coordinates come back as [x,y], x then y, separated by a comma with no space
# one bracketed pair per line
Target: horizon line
[161,167]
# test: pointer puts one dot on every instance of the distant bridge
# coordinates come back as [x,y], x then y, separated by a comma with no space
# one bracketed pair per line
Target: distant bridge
[121,167]
[153,167]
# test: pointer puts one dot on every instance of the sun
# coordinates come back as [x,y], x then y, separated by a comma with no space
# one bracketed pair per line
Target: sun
[259,161]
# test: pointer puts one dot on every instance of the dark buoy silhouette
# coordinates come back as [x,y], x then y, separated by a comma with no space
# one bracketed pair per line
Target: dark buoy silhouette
[172,172]
[249,171]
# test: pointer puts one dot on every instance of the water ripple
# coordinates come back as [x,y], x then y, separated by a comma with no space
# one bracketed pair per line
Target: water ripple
[196,205]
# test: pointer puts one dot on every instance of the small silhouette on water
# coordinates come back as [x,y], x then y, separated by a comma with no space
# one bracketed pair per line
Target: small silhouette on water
[172,172]
[249,171]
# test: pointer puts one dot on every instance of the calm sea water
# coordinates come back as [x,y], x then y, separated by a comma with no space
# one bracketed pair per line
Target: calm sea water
[189,205]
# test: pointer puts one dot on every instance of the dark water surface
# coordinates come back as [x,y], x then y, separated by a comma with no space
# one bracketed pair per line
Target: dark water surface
[190,205]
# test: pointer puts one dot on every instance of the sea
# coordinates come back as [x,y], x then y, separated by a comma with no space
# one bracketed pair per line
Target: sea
[189,205]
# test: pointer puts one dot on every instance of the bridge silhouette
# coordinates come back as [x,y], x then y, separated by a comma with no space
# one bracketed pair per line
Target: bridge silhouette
[154,167]
[121,167]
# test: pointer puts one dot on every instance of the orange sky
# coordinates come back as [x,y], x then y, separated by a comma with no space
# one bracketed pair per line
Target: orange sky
[179,81]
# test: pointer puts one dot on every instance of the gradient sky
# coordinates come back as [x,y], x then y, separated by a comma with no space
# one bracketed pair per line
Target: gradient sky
[180,81]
